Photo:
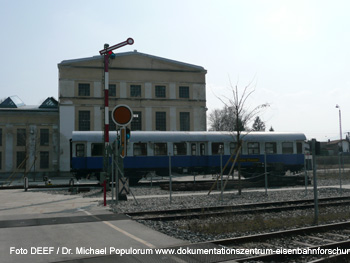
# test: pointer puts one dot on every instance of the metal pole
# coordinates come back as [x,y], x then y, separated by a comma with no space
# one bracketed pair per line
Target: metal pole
[265,164]
[315,179]
[340,156]
[26,183]
[71,185]
[116,153]
[170,186]
[104,192]
[340,175]
[306,181]
[112,190]
[222,187]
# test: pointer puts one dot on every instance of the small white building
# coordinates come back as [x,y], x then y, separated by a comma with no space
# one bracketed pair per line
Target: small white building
[29,137]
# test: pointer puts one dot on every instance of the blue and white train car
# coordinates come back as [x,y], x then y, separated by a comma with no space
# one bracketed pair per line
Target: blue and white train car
[191,152]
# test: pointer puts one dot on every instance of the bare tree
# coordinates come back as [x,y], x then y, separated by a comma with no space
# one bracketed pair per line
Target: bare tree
[241,113]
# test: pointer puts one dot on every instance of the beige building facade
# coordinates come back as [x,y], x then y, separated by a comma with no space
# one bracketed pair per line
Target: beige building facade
[164,95]
[29,137]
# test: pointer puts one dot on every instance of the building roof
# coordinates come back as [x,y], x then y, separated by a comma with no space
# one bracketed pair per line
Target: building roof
[14,103]
[133,53]
[49,103]
[195,136]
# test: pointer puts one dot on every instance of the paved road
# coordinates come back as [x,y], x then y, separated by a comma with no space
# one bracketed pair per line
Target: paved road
[41,227]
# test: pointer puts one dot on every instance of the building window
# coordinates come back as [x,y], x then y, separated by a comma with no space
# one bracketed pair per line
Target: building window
[112,125]
[160,92]
[21,160]
[140,149]
[184,121]
[80,150]
[112,90]
[202,149]
[253,148]
[84,120]
[180,148]
[21,137]
[0,137]
[44,160]
[233,147]
[97,149]
[270,147]
[287,148]
[135,90]
[44,137]
[0,160]
[160,149]
[184,92]
[136,124]
[299,147]
[193,149]
[216,147]
[84,89]
[160,121]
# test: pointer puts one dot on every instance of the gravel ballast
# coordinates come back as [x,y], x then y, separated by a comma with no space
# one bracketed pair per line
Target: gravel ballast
[211,228]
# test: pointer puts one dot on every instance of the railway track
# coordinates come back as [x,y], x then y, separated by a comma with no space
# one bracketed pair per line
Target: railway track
[323,243]
[188,213]
[52,186]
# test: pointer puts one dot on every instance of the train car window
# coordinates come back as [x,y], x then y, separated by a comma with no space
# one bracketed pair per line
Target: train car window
[233,146]
[140,149]
[180,148]
[215,148]
[193,149]
[202,149]
[287,147]
[253,148]
[270,147]
[97,149]
[299,147]
[160,149]
[80,150]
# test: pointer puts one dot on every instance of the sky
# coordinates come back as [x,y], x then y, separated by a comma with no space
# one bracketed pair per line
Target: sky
[294,54]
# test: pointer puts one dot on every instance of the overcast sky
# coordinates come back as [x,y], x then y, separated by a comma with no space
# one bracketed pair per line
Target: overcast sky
[295,53]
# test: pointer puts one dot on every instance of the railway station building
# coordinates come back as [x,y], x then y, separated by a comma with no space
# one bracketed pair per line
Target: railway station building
[164,94]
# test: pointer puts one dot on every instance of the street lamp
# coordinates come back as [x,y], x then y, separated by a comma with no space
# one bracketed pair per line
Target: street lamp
[340,153]
[341,137]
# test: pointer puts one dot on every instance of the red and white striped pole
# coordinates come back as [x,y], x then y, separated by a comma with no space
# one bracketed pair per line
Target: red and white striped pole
[106,95]
[107,52]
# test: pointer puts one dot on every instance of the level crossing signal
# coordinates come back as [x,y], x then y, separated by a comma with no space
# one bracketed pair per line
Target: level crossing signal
[122,115]
[123,142]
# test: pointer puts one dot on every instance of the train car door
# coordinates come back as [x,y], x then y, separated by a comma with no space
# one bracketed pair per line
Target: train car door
[194,156]
[79,158]
[198,156]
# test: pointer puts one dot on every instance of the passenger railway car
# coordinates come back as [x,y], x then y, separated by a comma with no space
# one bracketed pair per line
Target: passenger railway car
[191,152]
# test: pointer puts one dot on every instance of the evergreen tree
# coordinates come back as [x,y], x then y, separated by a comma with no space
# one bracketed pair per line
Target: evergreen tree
[258,125]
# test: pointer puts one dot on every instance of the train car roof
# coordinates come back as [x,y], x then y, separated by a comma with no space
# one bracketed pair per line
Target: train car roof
[180,136]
